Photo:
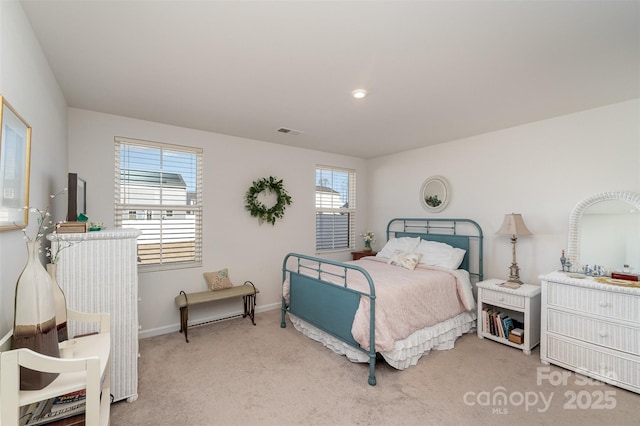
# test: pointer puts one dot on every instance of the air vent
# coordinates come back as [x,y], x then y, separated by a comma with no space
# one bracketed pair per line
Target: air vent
[289,131]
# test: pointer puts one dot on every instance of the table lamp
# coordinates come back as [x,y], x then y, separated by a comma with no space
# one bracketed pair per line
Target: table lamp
[514,226]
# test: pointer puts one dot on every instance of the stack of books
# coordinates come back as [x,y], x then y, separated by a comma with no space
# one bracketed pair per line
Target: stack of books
[71,227]
[498,323]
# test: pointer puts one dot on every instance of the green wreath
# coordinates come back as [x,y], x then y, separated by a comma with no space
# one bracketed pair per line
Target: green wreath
[258,209]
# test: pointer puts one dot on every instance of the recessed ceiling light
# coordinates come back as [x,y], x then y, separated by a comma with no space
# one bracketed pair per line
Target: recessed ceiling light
[359,93]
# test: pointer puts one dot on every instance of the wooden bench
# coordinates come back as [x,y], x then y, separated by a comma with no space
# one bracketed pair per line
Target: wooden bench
[248,292]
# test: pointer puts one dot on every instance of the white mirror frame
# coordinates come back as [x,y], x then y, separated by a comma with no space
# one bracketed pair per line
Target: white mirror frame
[443,185]
[573,252]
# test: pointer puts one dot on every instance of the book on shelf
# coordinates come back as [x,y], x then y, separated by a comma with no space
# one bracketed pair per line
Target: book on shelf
[485,320]
[492,322]
[507,325]
[498,321]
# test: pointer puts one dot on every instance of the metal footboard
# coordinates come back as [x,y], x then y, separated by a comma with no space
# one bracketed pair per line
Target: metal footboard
[328,305]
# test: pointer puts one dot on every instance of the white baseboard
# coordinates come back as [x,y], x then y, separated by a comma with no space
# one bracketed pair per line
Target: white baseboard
[143,334]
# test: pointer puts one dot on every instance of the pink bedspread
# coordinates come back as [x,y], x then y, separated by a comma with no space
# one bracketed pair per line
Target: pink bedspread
[406,300]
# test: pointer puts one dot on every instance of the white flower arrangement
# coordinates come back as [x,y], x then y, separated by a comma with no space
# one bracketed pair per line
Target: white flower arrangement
[44,218]
[368,236]
[53,257]
[45,225]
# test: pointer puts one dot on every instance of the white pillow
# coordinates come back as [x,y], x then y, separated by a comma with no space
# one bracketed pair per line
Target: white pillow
[440,254]
[406,244]
[405,259]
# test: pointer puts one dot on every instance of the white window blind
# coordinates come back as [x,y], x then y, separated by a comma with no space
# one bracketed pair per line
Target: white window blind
[158,190]
[335,208]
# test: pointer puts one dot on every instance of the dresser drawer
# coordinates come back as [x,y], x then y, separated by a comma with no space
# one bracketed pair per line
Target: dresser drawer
[607,304]
[602,364]
[603,333]
[503,299]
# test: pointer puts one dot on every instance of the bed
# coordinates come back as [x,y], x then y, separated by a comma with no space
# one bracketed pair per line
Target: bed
[375,306]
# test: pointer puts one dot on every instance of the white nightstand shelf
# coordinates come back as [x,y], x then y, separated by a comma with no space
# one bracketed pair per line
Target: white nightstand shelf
[88,369]
[522,304]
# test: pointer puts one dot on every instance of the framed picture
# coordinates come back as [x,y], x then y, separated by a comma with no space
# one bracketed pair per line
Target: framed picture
[77,195]
[15,157]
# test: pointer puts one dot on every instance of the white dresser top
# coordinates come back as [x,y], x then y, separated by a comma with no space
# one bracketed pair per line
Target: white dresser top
[528,290]
[587,282]
[105,234]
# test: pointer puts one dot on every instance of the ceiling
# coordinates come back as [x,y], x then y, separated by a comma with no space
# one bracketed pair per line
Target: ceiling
[435,71]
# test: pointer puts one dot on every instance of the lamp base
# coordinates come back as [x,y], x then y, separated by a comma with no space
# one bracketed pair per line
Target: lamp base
[514,274]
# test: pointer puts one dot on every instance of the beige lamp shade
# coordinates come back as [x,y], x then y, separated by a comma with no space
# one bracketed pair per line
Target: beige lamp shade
[513,225]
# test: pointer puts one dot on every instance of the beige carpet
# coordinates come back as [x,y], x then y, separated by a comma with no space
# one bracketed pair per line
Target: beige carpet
[232,373]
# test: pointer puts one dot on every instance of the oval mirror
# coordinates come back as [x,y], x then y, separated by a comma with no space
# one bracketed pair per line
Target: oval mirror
[435,194]
[604,230]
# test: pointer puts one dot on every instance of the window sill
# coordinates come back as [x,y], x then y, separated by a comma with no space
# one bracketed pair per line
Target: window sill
[168,267]
[334,251]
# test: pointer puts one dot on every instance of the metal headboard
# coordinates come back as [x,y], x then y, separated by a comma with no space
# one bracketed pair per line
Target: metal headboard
[461,233]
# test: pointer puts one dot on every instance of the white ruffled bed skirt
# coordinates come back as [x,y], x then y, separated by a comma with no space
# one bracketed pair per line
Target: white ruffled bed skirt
[406,352]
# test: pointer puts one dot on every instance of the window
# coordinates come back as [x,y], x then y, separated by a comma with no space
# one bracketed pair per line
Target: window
[158,190]
[335,208]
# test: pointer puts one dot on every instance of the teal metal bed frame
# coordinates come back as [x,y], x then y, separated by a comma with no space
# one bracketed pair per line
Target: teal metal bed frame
[331,307]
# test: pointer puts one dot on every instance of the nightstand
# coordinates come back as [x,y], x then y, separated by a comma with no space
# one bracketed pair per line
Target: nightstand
[358,254]
[521,304]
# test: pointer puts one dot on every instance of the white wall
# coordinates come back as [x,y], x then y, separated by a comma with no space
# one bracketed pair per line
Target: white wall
[541,170]
[231,237]
[26,81]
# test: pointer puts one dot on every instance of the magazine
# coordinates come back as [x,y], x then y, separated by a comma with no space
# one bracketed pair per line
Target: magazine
[53,409]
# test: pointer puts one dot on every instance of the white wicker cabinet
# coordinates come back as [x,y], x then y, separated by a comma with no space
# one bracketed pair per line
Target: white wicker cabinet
[592,328]
[99,273]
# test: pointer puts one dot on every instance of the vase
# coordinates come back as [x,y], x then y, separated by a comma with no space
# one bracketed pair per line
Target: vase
[367,246]
[60,302]
[34,320]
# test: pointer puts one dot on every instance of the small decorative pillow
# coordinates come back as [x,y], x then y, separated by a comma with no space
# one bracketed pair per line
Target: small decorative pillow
[218,280]
[404,259]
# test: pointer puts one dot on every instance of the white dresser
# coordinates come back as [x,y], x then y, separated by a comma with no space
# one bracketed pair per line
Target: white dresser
[99,273]
[591,328]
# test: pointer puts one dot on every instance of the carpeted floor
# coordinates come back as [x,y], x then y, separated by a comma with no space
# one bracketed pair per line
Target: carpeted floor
[232,373]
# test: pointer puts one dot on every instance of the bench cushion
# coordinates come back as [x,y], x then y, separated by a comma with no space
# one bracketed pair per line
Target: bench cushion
[210,296]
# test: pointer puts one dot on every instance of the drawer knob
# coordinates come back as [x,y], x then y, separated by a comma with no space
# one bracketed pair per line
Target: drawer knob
[603,333]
